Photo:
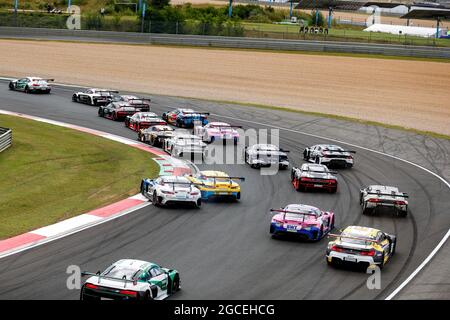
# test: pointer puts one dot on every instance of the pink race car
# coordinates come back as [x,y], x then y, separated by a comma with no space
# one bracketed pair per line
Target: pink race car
[217,131]
[301,220]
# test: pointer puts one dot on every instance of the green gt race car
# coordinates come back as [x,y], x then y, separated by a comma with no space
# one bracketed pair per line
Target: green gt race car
[130,279]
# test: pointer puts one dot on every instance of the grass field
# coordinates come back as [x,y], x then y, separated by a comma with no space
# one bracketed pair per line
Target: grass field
[338,34]
[52,173]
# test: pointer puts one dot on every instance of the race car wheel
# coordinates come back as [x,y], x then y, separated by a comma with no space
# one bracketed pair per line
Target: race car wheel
[141,138]
[198,204]
[93,102]
[238,196]
[74,98]
[333,190]
[272,229]
[332,224]
[152,140]
[155,200]
[147,296]
[366,210]
[320,234]
[306,155]
[402,213]
[11,86]
[317,160]
[236,140]
[27,90]
[114,116]
[86,297]
[175,284]
[100,112]
[381,265]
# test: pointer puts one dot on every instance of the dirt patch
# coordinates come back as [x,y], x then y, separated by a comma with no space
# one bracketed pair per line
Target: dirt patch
[413,94]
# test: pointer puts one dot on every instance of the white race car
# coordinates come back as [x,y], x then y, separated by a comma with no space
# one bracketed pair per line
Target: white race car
[214,131]
[374,197]
[181,144]
[329,155]
[94,96]
[261,155]
[31,85]
[130,279]
[167,190]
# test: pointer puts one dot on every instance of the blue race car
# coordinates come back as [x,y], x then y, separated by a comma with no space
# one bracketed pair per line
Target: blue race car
[185,118]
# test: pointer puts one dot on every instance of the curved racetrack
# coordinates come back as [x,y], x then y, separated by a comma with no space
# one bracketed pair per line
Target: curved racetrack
[224,251]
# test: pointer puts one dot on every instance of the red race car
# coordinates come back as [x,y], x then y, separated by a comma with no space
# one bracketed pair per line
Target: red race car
[143,120]
[313,176]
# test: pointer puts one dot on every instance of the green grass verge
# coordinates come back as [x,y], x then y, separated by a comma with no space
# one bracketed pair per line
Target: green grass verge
[53,173]
[338,34]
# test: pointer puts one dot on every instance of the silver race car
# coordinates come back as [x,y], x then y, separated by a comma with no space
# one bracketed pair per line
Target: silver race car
[94,96]
[262,155]
[329,155]
[31,85]
[376,197]
[167,190]
[156,135]
[182,144]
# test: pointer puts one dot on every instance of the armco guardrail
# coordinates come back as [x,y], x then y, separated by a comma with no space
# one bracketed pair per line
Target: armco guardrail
[225,42]
[5,138]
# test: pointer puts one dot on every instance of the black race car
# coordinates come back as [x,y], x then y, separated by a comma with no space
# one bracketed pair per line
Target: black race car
[119,110]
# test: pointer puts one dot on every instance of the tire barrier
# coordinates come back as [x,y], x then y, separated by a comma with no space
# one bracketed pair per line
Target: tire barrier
[5,138]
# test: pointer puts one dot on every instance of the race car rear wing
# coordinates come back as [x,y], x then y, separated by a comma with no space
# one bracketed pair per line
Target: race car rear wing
[341,151]
[199,113]
[296,212]
[315,171]
[331,235]
[230,179]
[142,101]
[123,279]
[111,92]
[173,183]
[395,195]
[226,127]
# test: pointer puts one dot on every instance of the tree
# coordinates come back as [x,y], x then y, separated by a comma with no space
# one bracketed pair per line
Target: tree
[159,3]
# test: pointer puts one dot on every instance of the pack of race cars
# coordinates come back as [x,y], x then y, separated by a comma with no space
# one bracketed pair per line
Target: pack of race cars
[135,279]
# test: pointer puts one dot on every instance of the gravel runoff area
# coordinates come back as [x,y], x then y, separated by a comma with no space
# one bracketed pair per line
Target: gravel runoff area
[408,93]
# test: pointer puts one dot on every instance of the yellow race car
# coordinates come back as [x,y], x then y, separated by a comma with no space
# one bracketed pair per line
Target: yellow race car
[217,184]
[362,246]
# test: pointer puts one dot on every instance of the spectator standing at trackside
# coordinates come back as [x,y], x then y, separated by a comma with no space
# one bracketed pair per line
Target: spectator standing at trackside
[102,12]
[49,7]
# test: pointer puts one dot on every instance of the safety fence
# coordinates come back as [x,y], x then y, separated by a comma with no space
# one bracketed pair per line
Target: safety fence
[225,42]
[5,138]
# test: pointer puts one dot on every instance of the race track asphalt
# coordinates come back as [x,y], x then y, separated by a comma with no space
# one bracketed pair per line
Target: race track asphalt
[224,250]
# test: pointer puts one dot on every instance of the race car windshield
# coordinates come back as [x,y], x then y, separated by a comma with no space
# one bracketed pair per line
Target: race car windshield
[189,140]
[296,212]
[128,273]
[148,118]
[352,239]
[297,216]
